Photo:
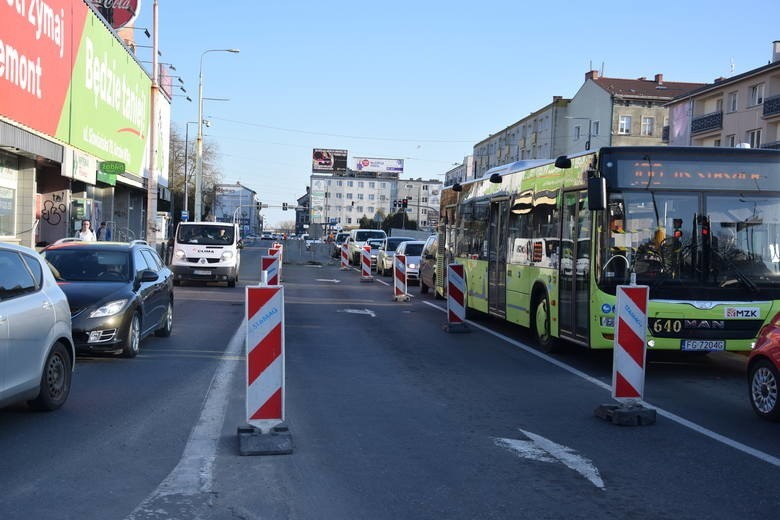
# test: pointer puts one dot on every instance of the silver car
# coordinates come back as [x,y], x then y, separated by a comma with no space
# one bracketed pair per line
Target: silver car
[384,260]
[413,252]
[36,347]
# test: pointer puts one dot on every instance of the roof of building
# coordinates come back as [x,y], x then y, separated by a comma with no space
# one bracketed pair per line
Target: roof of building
[642,87]
[721,82]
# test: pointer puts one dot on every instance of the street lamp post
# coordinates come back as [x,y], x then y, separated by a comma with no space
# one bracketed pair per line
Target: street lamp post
[199,145]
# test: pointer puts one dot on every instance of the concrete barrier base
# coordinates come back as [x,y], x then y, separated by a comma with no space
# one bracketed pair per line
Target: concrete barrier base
[252,441]
[456,328]
[624,415]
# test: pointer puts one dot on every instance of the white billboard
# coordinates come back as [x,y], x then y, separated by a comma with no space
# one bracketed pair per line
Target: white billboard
[365,164]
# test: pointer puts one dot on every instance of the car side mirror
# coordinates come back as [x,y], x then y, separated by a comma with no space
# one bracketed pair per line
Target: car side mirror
[240,244]
[148,275]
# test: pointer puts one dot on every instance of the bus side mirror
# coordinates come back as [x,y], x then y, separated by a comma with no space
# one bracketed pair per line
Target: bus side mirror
[597,193]
[562,162]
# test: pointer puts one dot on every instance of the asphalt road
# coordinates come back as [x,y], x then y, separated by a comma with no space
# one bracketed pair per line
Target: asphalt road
[391,417]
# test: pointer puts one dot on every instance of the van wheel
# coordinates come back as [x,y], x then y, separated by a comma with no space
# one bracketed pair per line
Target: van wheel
[540,324]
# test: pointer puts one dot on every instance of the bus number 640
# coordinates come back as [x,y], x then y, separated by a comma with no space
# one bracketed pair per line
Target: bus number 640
[667,326]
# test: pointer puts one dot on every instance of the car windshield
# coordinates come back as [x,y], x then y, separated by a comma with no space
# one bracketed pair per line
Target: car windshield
[79,265]
[341,237]
[413,249]
[206,235]
[375,243]
[393,243]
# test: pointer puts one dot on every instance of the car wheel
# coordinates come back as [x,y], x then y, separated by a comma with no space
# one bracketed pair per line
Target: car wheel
[231,282]
[541,324]
[55,380]
[763,390]
[132,344]
[167,325]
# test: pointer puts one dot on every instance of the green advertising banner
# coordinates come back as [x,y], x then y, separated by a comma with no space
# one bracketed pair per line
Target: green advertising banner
[110,95]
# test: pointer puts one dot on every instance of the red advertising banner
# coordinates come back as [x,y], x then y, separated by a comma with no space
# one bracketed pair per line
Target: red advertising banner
[36,59]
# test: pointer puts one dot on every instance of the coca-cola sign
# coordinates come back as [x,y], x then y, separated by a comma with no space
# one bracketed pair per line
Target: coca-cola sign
[118,13]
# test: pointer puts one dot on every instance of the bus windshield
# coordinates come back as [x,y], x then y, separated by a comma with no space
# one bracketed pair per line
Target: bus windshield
[688,245]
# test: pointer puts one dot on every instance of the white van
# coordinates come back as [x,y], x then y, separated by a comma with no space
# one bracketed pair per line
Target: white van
[206,252]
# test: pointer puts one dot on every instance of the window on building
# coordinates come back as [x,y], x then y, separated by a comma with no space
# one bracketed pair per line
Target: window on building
[349,219]
[731,102]
[359,209]
[577,132]
[719,105]
[371,196]
[350,183]
[360,184]
[349,195]
[594,128]
[372,184]
[624,125]
[731,141]
[754,138]
[370,209]
[339,183]
[757,94]
[424,199]
[716,143]
[338,195]
[648,125]
[383,185]
[7,196]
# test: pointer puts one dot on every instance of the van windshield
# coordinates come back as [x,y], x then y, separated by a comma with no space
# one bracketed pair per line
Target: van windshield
[206,235]
[362,236]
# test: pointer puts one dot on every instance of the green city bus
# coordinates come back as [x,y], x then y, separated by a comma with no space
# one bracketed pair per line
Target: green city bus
[544,244]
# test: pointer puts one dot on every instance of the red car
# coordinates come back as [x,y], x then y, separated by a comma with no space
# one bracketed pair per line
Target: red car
[763,368]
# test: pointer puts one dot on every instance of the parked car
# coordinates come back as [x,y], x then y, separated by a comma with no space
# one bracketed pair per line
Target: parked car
[428,267]
[37,354]
[376,245]
[384,260]
[763,367]
[413,251]
[118,293]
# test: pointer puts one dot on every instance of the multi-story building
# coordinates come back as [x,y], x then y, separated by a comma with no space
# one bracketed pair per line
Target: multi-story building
[533,137]
[342,201]
[461,172]
[302,213]
[743,109]
[619,112]
[237,203]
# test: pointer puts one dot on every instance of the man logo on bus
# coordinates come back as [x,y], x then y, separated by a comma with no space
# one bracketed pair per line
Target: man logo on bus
[733,312]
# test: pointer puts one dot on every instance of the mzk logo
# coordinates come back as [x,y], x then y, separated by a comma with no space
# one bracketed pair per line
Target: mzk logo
[742,312]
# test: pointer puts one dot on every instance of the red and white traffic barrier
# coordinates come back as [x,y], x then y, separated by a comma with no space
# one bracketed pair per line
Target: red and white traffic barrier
[628,367]
[399,279]
[277,251]
[344,257]
[264,357]
[456,304]
[365,263]
[269,273]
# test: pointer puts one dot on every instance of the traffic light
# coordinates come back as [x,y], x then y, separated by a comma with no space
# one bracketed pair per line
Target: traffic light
[395,203]
[404,203]
[284,206]
[677,223]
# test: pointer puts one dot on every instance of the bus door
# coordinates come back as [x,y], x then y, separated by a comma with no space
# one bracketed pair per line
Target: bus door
[574,270]
[497,258]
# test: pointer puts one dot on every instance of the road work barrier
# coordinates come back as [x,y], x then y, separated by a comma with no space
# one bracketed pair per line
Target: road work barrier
[629,359]
[269,270]
[344,257]
[456,304]
[365,263]
[265,371]
[399,279]
[278,251]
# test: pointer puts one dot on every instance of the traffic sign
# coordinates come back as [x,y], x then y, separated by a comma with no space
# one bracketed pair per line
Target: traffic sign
[185,215]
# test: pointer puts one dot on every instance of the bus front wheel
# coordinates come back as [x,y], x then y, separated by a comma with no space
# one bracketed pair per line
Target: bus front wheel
[541,324]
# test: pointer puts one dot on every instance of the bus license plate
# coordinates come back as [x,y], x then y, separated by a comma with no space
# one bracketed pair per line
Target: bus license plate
[703,344]
[201,272]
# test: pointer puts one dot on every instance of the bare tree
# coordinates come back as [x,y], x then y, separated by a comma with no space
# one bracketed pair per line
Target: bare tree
[179,158]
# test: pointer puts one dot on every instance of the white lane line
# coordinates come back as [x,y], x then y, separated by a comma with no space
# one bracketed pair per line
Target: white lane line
[766,457]
[193,475]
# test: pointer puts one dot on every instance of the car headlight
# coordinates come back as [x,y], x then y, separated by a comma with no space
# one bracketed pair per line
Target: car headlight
[412,266]
[227,255]
[109,309]
[178,253]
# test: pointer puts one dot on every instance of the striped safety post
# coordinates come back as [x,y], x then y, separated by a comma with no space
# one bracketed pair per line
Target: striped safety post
[264,356]
[628,360]
[456,304]
[269,274]
[399,279]
[277,252]
[365,264]
[344,257]
[628,366]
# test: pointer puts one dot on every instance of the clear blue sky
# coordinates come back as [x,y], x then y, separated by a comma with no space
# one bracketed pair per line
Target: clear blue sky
[420,80]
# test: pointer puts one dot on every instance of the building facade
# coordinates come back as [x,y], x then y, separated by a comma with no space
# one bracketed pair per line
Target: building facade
[59,164]
[237,203]
[737,111]
[461,172]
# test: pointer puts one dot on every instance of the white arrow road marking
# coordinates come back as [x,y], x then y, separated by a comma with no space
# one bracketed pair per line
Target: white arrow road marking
[331,281]
[359,311]
[545,450]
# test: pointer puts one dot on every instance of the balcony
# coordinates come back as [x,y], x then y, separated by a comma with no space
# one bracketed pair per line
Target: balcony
[707,123]
[772,106]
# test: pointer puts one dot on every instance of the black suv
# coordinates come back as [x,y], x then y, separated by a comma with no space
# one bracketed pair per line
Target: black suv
[118,293]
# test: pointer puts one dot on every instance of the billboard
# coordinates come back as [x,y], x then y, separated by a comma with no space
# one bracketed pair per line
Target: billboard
[324,160]
[380,166]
